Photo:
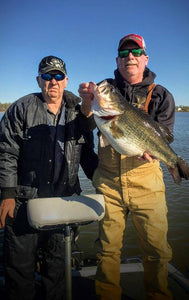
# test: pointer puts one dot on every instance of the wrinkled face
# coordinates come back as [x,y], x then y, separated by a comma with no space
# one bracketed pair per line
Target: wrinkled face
[132,67]
[53,89]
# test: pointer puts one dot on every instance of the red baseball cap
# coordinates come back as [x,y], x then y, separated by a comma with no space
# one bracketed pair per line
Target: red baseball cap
[133,37]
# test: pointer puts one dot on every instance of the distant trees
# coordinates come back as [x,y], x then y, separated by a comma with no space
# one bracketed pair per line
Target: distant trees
[4,106]
[182,108]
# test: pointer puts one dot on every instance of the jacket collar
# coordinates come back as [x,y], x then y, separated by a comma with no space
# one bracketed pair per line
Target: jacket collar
[70,99]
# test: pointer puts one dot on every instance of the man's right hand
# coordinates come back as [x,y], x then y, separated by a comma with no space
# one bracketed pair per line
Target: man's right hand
[85,91]
[6,208]
[87,97]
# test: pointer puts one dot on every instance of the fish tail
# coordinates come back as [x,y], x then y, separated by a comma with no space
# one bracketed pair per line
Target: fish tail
[179,171]
[183,168]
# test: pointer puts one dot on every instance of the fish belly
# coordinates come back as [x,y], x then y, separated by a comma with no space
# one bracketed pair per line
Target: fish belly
[135,140]
[121,144]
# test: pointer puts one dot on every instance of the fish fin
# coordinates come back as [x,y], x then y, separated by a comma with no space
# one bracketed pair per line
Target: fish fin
[167,135]
[103,141]
[164,131]
[175,174]
[181,170]
[116,131]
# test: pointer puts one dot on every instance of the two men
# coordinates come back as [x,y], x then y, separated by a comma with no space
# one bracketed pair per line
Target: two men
[43,139]
[130,184]
[39,138]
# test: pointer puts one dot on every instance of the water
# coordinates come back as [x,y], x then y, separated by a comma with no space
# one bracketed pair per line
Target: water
[178,208]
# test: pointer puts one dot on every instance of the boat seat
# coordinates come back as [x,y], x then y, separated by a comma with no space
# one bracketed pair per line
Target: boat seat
[48,213]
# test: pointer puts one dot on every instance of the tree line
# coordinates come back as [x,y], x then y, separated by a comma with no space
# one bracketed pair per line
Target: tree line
[4,106]
[182,108]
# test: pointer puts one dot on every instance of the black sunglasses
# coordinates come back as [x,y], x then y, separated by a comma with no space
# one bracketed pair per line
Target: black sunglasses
[49,77]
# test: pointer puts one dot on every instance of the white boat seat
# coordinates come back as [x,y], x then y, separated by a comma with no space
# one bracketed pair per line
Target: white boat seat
[46,213]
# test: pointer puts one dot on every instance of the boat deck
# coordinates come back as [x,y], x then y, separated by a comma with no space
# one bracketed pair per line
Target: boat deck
[131,281]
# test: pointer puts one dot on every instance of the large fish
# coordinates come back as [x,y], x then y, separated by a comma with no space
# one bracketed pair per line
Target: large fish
[131,131]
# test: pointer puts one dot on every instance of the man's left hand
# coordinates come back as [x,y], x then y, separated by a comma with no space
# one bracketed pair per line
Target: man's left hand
[146,156]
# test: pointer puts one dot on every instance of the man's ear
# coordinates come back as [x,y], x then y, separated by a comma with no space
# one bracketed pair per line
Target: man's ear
[147,59]
[66,80]
[38,81]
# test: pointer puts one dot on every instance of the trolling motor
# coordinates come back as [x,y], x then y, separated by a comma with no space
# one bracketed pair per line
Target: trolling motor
[65,212]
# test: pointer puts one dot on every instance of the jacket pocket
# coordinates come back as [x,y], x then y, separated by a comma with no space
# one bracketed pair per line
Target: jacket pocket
[26,192]
[34,142]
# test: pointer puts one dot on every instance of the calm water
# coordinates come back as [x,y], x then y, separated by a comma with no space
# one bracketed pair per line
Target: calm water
[178,208]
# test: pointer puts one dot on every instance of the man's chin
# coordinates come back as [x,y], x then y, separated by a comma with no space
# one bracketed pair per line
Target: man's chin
[128,72]
[53,94]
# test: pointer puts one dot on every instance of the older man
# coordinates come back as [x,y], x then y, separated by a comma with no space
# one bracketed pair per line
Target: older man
[134,185]
[44,136]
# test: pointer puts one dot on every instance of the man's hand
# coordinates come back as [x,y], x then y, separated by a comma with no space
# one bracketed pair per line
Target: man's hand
[87,96]
[146,156]
[7,207]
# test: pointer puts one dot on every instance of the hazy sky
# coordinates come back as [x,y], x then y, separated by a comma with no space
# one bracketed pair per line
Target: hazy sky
[86,34]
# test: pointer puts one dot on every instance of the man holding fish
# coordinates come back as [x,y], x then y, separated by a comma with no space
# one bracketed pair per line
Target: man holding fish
[132,180]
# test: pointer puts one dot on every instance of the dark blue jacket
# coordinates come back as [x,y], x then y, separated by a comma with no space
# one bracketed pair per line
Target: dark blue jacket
[27,150]
[161,107]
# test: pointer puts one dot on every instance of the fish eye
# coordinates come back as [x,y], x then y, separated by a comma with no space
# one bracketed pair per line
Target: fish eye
[103,90]
[106,92]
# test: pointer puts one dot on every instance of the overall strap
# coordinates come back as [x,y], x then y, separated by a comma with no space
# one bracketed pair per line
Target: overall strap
[150,91]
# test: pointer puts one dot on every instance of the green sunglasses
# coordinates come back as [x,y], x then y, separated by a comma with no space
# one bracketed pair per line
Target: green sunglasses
[135,52]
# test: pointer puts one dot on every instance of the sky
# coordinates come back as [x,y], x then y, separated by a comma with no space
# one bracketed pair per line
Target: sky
[85,34]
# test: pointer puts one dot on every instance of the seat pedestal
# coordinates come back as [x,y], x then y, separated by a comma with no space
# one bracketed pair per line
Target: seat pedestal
[48,213]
